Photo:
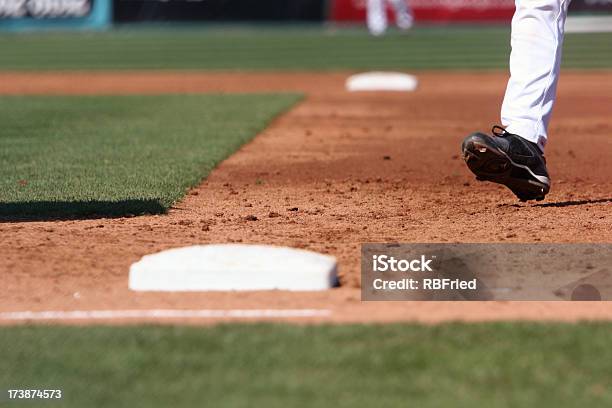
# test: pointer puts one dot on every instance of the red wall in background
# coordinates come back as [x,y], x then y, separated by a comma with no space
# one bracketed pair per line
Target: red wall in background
[432,10]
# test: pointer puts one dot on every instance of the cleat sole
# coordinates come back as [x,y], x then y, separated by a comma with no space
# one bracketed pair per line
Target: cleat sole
[489,163]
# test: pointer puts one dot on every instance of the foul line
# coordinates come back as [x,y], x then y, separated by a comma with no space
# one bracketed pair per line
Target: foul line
[164,314]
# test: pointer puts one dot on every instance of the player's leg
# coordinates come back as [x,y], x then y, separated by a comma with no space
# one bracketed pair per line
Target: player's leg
[376,16]
[537,39]
[514,156]
[403,14]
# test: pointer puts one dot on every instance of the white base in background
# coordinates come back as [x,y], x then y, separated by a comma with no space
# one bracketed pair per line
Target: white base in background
[588,24]
[382,81]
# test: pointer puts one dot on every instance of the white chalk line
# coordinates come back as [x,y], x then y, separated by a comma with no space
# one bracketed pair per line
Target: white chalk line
[164,314]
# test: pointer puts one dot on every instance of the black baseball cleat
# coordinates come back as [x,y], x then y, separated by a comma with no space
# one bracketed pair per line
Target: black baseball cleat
[508,159]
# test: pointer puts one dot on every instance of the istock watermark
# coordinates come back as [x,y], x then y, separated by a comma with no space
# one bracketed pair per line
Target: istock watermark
[486,272]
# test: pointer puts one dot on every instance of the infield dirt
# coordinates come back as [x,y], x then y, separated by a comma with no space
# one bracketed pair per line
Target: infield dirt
[338,170]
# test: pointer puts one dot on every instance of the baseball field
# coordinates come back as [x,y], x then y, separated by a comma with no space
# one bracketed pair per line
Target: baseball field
[118,144]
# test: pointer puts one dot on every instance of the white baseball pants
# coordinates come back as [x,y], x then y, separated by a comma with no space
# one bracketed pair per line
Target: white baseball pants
[377,15]
[537,39]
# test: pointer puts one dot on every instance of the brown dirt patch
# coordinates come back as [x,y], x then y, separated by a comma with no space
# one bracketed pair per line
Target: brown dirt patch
[327,158]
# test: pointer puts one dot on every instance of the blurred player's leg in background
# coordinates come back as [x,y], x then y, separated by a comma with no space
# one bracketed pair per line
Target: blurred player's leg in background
[403,14]
[537,39]
[377,17]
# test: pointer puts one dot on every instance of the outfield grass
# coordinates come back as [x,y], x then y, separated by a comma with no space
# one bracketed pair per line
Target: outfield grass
[118,155]
[451,365]
[287,48]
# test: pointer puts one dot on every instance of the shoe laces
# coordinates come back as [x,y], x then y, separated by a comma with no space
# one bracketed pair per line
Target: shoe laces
[499,131]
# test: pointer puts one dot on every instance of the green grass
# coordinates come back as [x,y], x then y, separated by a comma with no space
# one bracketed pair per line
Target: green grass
[118,155]
[282,48]
[451,365]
